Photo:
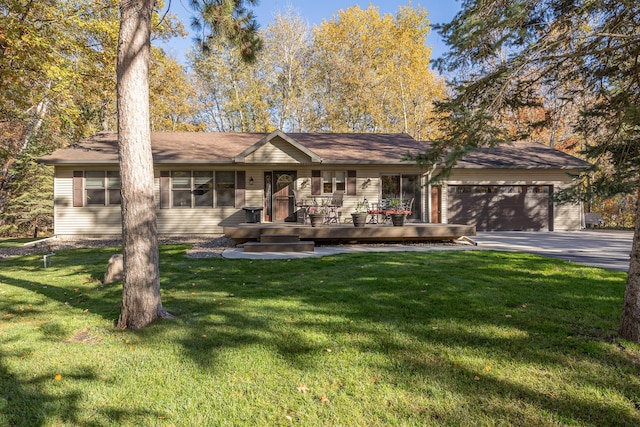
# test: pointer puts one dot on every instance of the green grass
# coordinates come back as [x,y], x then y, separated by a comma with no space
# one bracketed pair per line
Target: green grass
[404,339]
[11,243]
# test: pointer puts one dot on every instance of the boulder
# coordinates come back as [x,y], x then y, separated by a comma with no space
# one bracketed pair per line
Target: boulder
[114,270]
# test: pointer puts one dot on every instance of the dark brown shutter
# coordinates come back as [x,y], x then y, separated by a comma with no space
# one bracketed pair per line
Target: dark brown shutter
[351,183]
[78,193]
[316,183]
[165,189]
[241,186]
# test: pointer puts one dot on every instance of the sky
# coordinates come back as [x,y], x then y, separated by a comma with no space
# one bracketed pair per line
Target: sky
[315,11]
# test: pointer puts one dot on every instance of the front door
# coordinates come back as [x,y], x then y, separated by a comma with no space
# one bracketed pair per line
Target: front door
[283,197]
[436,203]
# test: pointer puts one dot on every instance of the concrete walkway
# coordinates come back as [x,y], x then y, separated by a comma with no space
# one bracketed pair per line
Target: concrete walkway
[606,249]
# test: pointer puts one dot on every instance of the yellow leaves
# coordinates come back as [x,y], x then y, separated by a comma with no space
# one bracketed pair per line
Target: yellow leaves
[302,388]
[487,369]
[379,65]
[58,377]
[323,399]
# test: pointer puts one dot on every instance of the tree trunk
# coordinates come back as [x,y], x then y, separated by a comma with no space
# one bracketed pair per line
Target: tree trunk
[141,302]
[630,322]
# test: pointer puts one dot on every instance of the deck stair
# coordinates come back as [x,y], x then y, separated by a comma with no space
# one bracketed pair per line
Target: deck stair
[279,243]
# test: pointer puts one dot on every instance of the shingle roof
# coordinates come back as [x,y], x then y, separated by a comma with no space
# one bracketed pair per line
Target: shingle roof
[331,148]
[218,147]
[521,155]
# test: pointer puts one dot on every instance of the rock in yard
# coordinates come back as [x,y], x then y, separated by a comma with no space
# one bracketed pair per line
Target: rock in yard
[114,270]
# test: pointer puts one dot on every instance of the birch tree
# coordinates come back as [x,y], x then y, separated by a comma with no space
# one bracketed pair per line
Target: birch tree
[373,72]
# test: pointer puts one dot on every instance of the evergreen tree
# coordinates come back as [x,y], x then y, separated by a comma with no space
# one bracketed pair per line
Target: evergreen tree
[512,54]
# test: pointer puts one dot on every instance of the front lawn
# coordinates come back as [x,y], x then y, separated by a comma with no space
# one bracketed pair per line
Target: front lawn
[406,339]
[12,243]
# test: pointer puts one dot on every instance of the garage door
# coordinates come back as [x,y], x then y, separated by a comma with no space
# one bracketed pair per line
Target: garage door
[501,207]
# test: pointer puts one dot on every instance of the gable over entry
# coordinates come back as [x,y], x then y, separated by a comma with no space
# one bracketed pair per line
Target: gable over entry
[277,147]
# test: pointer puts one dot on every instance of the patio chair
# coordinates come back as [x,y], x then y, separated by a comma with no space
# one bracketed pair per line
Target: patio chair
[335,203]
[300,206]
[385,211]
[375,210]
[408,206]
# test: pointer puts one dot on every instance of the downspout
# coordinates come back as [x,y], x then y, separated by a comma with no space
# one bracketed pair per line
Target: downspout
[428,196]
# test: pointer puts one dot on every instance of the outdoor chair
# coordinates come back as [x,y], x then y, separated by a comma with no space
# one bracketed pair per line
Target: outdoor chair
[408,207]
[375,210]
[383,212]
[300,206]
[335,203]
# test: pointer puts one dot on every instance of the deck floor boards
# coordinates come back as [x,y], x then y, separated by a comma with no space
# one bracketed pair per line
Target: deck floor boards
[349,233]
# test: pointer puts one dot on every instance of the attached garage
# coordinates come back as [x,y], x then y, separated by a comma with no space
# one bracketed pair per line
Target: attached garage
[511,188]
[501,207]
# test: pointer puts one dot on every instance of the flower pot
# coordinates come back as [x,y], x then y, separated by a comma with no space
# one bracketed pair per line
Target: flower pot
[359,219]
[316,220]
[397,219]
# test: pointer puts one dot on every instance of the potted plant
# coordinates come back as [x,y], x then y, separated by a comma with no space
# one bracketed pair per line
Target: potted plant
[360,214]
[398,214]
[317,215]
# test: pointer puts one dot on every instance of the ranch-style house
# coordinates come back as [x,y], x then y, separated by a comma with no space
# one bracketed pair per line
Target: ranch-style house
[204,180]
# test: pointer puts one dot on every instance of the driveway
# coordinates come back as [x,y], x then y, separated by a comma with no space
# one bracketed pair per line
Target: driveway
[599,248]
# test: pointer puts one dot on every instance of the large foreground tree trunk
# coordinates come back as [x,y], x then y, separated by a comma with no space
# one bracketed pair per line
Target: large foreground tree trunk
[630,322]
[141,302]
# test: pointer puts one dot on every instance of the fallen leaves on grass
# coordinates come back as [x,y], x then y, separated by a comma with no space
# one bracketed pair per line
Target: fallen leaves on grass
[58,377]
[302,388]
[324,399]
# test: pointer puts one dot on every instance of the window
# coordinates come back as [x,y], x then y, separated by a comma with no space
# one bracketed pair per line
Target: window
[114,197]
[181,189]
[333,181]
[328,182]
[225,188]
[203,188]
[502,189]
[196,189]
[102,188]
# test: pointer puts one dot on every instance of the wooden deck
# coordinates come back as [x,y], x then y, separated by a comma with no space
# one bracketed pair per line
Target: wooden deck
[413,232]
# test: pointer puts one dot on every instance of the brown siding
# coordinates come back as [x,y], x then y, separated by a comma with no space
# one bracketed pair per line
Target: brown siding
[316,183]
[351,183]
[78,194]
[241,188]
